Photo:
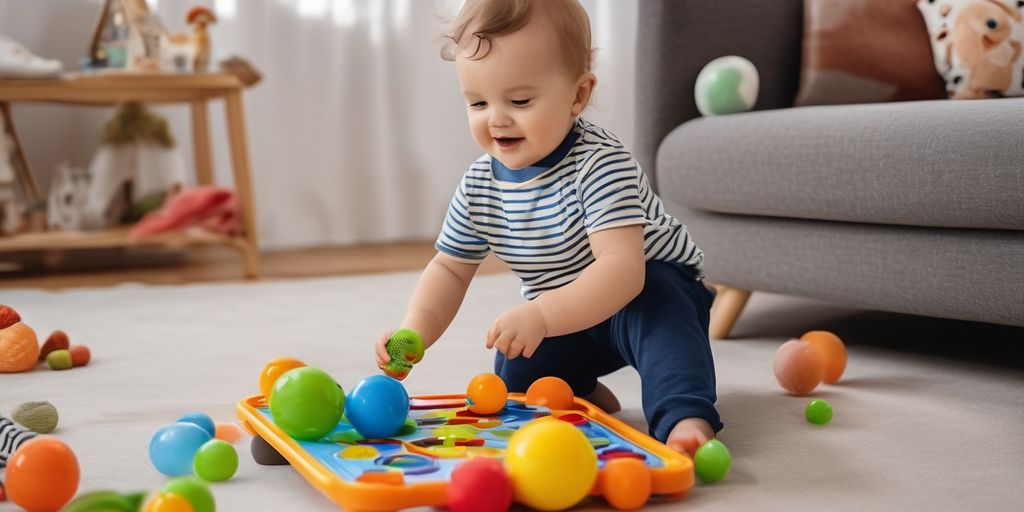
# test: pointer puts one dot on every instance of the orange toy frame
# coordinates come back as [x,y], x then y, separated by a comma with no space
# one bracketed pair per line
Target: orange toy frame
[673,481]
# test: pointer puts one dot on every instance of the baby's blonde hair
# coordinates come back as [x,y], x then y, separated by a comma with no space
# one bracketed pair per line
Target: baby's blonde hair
[498,17]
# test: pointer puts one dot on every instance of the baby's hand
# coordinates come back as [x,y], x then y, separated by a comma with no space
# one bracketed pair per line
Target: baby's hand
[518,331]
[381,349]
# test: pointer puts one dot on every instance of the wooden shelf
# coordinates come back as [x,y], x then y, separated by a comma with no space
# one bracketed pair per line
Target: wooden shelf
[114,237]
[110,88]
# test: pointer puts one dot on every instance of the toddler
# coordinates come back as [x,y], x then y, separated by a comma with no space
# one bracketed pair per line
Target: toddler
[610,279]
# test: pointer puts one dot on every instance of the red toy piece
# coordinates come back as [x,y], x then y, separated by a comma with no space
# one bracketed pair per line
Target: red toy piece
[479,484]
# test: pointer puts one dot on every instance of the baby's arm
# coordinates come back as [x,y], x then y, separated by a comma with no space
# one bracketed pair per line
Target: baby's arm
[604,287]
[435,301]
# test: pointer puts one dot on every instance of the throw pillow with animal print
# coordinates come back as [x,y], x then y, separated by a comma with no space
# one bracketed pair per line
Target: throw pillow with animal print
[976,45]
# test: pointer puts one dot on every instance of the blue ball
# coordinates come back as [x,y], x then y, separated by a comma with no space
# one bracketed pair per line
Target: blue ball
[174,447]
[377,407]
[200,419]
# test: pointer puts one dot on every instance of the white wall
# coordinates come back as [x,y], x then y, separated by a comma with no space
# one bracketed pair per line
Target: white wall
[358,131]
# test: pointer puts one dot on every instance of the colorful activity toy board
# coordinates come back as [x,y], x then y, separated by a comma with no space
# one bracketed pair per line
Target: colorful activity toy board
[412,468]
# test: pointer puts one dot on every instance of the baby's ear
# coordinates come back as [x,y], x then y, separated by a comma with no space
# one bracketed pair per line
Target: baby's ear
[584,89]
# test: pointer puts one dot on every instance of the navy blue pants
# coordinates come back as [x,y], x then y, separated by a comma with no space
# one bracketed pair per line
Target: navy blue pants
[663,333]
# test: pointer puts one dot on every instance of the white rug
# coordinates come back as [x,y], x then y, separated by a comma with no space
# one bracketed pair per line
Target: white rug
[938,430]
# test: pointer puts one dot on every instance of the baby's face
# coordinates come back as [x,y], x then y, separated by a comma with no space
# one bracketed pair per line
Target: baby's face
[520,99]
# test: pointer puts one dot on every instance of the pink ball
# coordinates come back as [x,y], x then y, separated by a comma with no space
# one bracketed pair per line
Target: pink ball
[798,367]
[479,485]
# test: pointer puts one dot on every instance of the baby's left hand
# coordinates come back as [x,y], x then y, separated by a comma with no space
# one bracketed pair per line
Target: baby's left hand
[518,331]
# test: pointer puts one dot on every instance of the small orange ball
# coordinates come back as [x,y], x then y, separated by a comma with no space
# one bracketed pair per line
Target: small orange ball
[274,369]
[228,432]
[832,351]
[19,348]
[168,502]
[626,483]
[798,367]
[550,392]
[42,475]
[486,394]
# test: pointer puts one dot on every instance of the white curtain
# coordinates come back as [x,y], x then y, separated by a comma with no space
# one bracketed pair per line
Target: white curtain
[358,132]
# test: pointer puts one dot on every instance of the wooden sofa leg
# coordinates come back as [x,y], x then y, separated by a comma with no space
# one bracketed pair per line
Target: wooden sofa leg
[726,310]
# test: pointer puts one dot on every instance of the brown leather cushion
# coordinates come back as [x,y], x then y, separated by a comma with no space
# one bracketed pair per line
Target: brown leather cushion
[866,51]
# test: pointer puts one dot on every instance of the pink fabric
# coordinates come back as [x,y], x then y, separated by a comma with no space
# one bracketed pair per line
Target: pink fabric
[212,208]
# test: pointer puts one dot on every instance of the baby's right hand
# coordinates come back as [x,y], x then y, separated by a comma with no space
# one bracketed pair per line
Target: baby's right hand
[381,348]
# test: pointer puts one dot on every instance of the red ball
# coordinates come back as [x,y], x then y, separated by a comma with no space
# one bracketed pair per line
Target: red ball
[479,485]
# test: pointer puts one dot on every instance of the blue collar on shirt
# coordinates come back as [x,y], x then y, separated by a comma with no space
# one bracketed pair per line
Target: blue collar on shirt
[503,173]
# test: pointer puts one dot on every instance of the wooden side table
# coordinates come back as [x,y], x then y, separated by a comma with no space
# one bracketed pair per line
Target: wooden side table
[114,88]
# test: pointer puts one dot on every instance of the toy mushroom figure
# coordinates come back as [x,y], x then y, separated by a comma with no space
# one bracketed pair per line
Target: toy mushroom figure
[199,17]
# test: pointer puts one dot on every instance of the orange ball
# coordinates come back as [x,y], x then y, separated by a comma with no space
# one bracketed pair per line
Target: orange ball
[832,351]
[19,348]
[550,392]
[228,432]
[42,475]
[626,483]
[486,394]
[798,367]
[168,502]
[274,369]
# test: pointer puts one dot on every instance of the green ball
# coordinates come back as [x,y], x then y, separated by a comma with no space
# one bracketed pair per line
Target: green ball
[818,412]
[712,461]
[726,85]
[306,403]
[406,342]
[216,461]
[194,490]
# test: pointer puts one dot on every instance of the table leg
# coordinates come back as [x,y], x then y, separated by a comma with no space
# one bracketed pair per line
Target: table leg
[201,143]
[36,201]
[243,183]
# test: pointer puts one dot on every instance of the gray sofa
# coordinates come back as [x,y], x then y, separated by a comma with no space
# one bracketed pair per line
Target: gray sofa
[913,207]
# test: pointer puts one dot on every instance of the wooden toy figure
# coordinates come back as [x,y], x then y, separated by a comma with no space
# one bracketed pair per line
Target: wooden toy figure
[199,17]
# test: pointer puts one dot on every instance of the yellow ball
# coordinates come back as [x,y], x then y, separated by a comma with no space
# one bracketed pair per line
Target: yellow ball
[551,464]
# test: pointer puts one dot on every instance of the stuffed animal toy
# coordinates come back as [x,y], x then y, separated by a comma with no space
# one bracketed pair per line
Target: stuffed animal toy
[65,207]
[200,17]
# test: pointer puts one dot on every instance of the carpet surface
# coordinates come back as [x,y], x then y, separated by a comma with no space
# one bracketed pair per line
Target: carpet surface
[928,416]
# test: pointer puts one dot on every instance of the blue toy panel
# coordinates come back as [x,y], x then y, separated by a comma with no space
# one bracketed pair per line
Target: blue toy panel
[434,441]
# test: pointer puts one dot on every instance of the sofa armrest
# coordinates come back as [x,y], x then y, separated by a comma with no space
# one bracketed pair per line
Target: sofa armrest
[676,38]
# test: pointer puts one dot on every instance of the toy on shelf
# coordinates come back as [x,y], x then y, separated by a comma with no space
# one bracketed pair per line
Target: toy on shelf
[199,17]
[42,475]
[422,463]
[798,367]
[212,209]
[712,461]
[818,412]
[406,349]
[726,85]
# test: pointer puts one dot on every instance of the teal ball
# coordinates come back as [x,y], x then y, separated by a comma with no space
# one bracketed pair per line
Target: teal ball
[726,85]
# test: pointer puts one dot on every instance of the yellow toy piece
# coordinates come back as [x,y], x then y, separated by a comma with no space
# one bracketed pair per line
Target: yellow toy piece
[551,464]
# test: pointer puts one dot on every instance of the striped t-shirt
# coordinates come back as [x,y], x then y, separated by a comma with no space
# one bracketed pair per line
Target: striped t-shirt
[537,219]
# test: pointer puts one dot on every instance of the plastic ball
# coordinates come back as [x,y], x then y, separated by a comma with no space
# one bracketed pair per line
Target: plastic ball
[479,484]
[486,394]
[174,446]
[306,403]
[798,367]
[168,502]
[229,432]
[551,463]
[832,351]
[194,490]
[726,85]
[712,461]
[274,369]
[550,392]
[42,475]
[216,461]
[818,412]
[626,483]
[378,406]
[200,419]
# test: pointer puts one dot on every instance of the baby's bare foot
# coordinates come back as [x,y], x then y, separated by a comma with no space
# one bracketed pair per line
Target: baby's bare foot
[604,399]
[689,434]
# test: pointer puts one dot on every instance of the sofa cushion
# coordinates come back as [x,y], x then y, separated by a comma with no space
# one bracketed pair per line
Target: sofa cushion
[936,163]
